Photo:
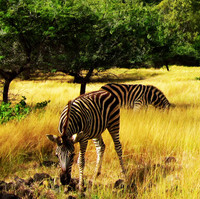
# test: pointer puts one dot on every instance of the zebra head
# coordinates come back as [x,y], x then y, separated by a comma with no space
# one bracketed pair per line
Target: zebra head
[65,153]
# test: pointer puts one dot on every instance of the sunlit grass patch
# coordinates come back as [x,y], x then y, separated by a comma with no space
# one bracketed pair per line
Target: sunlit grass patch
[149,137]
[25,140]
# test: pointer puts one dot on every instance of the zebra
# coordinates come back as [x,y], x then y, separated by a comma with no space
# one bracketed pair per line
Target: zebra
[137,95]
[86,117]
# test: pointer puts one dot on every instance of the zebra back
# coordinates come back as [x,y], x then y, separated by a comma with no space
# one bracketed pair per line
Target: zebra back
[90,113]
[137,95]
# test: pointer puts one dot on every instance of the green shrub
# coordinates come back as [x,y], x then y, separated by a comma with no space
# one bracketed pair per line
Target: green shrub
[197,78]
[18,111]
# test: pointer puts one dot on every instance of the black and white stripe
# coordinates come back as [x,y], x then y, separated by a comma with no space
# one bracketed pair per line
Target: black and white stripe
[87,117]
[137,95]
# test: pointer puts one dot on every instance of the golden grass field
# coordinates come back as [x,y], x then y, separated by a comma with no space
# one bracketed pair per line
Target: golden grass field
[150,138]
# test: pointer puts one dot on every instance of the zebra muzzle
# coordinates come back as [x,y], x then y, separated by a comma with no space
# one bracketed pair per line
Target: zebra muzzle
[65,178]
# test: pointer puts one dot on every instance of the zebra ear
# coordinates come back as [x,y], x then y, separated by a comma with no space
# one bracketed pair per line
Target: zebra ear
[55,138]
[77,137]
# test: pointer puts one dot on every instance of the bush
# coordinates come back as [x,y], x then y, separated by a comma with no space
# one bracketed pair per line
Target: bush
[19,111]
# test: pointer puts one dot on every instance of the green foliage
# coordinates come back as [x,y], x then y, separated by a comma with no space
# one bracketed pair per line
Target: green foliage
[41,105]
[182,19]
[197,78]
[18,111]
[74,36]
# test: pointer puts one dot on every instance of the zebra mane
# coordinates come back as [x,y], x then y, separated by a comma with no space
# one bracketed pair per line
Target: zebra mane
[66,125]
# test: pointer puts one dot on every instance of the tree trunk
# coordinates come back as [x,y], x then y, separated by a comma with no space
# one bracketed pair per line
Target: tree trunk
[5,90]
[26,74]
[8,77]
[80,79]
[167,67]
[83,88]
[166,64]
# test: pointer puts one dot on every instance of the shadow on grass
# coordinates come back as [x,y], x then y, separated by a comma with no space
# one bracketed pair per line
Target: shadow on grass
[140,179]
[123,77]
[187,106]
[147,176]
[102,77]
[98,77]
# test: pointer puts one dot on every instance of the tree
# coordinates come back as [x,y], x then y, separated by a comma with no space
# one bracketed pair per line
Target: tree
[78,37]
[82,37]
[21,35]
[12,61]
[161,41]
[75,43]
[182,18]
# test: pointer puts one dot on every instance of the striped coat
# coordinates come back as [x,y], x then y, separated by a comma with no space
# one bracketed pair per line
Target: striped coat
[84,118]
[137,95]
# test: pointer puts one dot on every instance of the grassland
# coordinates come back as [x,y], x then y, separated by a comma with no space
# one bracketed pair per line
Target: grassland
[161,148]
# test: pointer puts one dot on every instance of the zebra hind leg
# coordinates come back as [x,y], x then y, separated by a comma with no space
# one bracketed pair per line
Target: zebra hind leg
[100,148]
[114,132]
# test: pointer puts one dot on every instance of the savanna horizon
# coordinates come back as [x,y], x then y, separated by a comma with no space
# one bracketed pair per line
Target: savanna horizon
[148,137]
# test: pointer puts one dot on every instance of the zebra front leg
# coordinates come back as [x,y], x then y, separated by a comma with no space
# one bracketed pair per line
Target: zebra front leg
[100,148]
[81,163]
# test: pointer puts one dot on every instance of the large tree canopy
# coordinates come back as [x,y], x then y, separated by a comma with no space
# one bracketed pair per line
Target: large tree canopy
[78,37]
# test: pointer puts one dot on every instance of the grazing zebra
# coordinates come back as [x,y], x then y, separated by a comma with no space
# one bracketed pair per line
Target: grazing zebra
[137,95]
[84,118]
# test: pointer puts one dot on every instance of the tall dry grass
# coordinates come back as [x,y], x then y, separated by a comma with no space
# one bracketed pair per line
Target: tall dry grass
[148,136]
